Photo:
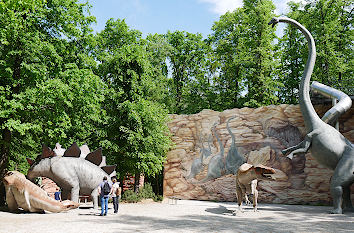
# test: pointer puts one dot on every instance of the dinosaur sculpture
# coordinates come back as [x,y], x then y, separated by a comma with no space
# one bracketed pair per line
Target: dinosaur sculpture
[329,117]
[344,104]
[74,174]
[22,193]
[198,163]
[216,167]
[328,146]
[247,179]
[233,159]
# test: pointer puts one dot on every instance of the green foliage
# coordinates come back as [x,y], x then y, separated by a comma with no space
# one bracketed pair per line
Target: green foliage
[61,83]
[44,89]
[330,23]
[137,138]
[145,193]
[130,196]
[245,56]
[188,69]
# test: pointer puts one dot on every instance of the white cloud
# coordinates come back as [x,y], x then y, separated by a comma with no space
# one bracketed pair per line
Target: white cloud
[220,7]
[282,6]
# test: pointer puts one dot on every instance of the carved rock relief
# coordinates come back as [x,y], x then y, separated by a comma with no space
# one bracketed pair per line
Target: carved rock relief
[260,135]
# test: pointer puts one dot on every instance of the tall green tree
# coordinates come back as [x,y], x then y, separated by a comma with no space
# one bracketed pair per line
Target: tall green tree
[188,71]
[292,58]
[37,38]
[331,24]
[259,81]
[137,138]
[332,29]
[228,40]
[244,50]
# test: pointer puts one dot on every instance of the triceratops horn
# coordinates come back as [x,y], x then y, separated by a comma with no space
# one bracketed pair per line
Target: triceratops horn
[46,152]
[30,161]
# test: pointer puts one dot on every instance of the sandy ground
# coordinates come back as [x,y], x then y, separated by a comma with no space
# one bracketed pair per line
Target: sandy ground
[185,216]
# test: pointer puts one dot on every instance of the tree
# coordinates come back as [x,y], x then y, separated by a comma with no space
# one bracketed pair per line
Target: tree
[261,87]
[331,26]
[188,60]
[228,38]
[137,138]
[34,37]
[243,43]
[292,59]
[330,23]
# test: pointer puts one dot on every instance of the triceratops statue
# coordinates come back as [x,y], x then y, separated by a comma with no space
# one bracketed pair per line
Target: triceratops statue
[77,171]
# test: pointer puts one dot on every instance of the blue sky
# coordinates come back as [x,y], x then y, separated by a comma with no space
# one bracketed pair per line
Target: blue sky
[159,16]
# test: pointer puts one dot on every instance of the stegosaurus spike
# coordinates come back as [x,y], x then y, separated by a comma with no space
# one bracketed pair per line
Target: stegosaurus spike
[109,168]
[85,150]
[95,157]
[46,152]
[103,163]
[58,150]
[72,151]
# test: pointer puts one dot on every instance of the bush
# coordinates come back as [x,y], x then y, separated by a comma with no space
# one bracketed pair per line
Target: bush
[158,198]
[145,193]
[130,196]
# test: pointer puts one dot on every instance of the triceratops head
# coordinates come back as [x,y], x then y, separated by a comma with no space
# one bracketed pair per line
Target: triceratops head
[264,172]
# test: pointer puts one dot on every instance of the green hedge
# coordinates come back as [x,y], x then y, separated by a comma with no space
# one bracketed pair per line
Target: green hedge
[145,193]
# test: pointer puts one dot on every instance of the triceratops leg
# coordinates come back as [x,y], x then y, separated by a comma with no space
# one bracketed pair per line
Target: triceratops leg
[247,201]
[94,196]
[240,195]
[255,194]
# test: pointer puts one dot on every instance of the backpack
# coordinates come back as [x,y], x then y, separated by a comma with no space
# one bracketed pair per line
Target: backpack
[106,189]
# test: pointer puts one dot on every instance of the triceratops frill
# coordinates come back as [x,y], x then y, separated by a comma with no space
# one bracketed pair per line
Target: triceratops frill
[77,171]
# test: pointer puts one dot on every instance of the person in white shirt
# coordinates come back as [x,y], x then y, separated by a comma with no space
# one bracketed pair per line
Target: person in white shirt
[115,194]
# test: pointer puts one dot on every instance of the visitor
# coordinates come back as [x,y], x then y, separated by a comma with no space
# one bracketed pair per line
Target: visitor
[57,194]
[104,189]
[116,191]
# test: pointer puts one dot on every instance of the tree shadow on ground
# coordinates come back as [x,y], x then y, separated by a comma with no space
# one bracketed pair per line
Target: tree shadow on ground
[302,219]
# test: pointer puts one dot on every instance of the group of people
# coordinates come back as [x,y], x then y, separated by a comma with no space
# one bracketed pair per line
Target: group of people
[105,190]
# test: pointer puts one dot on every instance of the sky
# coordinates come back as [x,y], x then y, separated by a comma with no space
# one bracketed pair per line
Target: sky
[160,16]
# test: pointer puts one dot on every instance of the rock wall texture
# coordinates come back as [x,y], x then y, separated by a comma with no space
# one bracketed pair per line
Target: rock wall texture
[260,136]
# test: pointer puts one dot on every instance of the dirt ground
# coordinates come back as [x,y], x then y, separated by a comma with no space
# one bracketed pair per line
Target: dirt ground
[183,216]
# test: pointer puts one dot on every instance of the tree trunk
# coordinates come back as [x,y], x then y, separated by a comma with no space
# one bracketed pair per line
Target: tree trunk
[4,160]
[136,182]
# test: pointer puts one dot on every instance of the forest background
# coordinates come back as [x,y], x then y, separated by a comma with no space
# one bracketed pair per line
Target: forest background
[61,82]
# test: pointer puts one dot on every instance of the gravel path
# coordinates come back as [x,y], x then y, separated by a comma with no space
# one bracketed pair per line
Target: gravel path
[185,216]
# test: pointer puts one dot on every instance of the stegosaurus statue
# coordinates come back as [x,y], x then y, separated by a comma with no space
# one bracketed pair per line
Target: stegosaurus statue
[77,171]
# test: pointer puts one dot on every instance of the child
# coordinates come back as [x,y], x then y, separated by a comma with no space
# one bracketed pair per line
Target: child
[57,194]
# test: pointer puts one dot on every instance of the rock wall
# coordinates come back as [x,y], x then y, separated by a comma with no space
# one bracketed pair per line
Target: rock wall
[260,136]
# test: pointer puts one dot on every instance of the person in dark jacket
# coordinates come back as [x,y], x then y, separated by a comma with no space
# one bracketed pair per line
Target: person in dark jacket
[104,189]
